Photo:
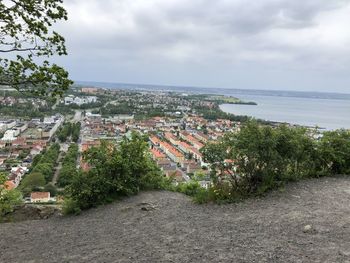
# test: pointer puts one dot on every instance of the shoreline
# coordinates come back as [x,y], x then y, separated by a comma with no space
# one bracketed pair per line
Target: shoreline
[270,122]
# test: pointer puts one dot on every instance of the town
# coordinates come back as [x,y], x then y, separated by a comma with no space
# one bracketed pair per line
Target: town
[40,154]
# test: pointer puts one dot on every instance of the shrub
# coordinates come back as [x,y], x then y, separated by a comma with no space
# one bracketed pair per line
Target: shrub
[8,198]
[70,207]
[265,158]
[116,171]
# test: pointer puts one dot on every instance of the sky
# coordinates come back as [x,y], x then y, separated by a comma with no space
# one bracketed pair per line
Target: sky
[265,44]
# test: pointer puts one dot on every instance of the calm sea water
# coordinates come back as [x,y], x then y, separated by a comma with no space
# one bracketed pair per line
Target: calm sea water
[325,113]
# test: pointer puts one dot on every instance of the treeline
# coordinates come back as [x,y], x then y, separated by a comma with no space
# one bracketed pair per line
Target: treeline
[121,108]
[68,170]
[24,110]
[265,158]
[42,171]
[86,106]
[217,113]
[116,171]
[69,130]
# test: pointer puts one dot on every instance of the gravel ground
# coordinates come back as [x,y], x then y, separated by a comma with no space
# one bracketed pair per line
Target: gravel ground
[168,227]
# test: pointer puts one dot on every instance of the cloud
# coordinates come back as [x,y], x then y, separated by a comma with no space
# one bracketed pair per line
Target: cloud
[201,35]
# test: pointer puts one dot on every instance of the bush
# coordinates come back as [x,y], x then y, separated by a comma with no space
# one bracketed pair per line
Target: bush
[8,198]
[51,188]
[32,182]
[116,171]
[191,188]
[70,207]
[68,170]
[264,158]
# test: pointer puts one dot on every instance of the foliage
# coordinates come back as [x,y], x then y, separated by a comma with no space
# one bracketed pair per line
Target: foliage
[32,182]
[260,158]
[42,170]
[335,152]
[68,170]
[117,171]
[191,188]
[26,35]
[69,129]
[70,207]
[50,188]
[8,198]
[46,169]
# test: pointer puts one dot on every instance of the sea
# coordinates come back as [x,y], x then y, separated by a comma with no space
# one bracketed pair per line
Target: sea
[328,111]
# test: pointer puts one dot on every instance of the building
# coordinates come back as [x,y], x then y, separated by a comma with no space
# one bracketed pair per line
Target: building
[79,100]
[21,126]
[9,185]
[172,152]
[51,125]
[5,125]
[171,138]
[17,174]
[40,197]
[157,155]
[89,90]
[201,136]
[10,135]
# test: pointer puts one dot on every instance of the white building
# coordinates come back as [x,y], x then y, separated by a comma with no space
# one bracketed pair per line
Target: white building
[51,125]
[5,125]
[79,100]
[10,135]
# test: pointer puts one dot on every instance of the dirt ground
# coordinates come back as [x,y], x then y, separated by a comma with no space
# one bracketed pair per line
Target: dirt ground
[307,222]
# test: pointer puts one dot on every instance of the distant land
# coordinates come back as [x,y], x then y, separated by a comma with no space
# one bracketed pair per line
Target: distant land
[222,91]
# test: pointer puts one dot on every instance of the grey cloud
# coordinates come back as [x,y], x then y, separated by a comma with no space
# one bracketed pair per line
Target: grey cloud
[200,34]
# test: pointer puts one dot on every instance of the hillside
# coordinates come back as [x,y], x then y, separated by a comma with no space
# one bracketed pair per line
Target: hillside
[168,227]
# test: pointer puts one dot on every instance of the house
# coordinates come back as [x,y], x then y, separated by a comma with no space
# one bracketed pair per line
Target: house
[36,149]
[9,185]
[19,142]
[10,135]
[40,197]
[17,174]
[172,152]
[157,155]
[175,175]
[201,136]
[89,90]
[171,137]
[155,140]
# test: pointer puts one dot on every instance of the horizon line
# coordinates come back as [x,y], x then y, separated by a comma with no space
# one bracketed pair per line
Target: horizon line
[207,87]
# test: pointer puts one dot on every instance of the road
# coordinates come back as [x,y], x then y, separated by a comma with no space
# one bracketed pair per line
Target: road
[77,116]
[63,149]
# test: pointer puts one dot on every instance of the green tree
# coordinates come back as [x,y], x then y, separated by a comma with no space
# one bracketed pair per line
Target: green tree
[30,182]
[51,188]
[45,169]
[116,171]
[67,173]
[8,198]
[262,158]
[335,152]
[28,39]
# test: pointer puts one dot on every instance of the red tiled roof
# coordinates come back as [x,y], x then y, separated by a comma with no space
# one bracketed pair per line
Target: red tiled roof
[157,154]
[39,195]
[172,149]
[154,139]
[9,185]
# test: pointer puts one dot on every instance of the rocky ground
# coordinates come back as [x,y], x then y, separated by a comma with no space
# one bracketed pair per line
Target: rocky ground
[31,212]
[308,222]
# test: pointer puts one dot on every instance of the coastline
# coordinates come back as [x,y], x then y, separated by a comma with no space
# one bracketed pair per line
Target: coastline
[268,121]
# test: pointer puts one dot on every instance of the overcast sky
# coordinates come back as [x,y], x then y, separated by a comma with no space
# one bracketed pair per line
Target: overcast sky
[265,44]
